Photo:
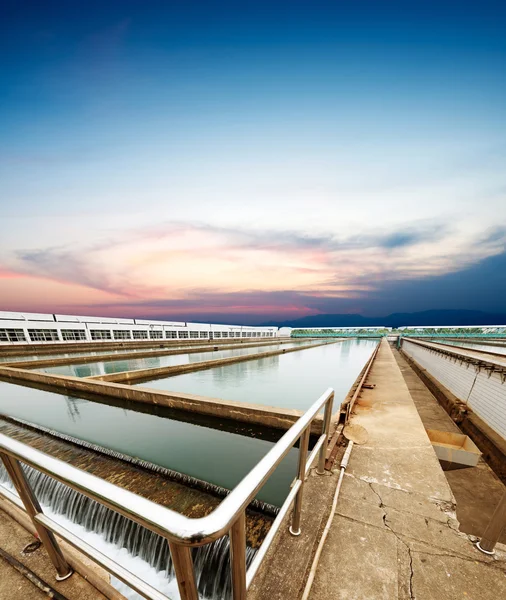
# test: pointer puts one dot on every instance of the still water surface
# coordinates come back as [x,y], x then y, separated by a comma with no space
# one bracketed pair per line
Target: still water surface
[294,380]
[152,362]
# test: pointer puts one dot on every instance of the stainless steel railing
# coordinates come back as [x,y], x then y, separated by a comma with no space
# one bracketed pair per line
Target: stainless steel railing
[181,532]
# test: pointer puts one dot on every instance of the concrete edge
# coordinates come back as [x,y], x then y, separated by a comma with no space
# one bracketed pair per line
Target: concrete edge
[10,349]
[448,351]
[279,418]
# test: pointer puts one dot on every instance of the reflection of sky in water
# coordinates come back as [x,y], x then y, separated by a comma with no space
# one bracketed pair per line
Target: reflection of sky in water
[216,456]
[294,380]
[152,362]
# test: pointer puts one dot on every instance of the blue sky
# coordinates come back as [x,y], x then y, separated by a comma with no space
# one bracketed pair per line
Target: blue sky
[259,159]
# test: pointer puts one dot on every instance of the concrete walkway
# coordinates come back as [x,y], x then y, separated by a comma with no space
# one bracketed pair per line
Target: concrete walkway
[395,533]
[15,586]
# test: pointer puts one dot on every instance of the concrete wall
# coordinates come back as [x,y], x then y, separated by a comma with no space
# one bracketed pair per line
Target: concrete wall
[482,390]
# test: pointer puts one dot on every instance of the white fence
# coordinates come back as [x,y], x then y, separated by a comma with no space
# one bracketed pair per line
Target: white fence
[483,390]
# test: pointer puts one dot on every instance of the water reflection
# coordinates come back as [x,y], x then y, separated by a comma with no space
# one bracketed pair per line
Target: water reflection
[238,373]
[293,380]
[152,362]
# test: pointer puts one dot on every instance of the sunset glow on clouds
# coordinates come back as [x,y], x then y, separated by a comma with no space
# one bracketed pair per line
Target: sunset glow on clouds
[260,164]
[169,269]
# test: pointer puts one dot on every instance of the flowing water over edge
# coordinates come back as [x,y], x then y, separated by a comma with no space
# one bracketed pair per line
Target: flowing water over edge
[136,548]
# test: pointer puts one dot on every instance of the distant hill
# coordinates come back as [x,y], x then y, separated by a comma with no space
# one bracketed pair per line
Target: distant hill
[427,317]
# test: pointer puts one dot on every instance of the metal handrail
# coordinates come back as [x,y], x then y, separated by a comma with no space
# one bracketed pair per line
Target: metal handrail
[181,532]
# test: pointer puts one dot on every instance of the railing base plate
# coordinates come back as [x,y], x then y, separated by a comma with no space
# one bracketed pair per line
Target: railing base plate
[63,577]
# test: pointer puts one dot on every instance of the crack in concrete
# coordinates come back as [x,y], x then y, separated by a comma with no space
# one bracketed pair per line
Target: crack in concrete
[405,544]
[499,565]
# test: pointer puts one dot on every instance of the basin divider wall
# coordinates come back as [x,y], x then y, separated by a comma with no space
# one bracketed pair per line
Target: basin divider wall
[170,371]
[52,347]
[279,418]
[77,360]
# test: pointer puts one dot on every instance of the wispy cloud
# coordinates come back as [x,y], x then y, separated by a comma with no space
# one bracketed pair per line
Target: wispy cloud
[196,268]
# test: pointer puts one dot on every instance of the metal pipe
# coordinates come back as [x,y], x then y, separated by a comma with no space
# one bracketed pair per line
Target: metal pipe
[301,475]
[33,508]
[494,528]
[238,557]
[316,560]
[86,570]
[325,431]
[185,573]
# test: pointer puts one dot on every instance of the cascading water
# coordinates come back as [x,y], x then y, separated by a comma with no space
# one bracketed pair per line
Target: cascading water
[211,561]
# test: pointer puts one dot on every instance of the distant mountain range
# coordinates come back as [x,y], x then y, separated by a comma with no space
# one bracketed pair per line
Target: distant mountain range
[427,317]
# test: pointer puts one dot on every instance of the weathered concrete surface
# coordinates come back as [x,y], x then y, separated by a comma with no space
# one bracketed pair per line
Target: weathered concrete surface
[280,418]
[183,349]
[14,586]
[395,534]
[158,372]
[284,570]
[98,577]
[477,490]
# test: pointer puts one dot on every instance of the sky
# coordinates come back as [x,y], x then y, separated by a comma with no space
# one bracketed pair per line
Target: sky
[252,161]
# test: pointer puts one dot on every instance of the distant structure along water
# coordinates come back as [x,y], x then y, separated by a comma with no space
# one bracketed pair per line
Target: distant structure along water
[37,327]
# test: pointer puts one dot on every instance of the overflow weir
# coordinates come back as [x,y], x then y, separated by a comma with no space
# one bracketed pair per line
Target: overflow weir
[154,483]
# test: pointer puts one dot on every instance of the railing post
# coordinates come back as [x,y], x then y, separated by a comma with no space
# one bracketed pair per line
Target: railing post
[303,448]
[185,573]
[494,528]
[327,415]
[33,508]
[238,557]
